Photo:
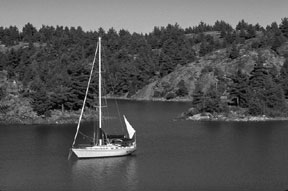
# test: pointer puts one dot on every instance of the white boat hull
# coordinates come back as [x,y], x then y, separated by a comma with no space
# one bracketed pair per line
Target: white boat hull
[103,151]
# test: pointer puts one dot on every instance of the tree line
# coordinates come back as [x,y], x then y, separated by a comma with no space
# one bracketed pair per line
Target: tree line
[262,92]
[53,63]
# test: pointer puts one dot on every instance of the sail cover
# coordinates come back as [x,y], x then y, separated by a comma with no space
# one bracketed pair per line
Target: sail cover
[130,129]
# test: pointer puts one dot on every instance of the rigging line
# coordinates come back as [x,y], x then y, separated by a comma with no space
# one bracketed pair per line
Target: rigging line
[107,112]
[116,103]
[87,89]
[86,136]
[107,122]
[119,115]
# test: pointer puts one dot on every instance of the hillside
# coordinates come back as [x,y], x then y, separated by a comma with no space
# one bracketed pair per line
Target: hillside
[219,64]
[214,67]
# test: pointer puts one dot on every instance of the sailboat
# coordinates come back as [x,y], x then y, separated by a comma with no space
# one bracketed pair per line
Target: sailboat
[104,145]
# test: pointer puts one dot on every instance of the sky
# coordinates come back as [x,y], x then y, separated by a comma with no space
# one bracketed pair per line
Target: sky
[139,16]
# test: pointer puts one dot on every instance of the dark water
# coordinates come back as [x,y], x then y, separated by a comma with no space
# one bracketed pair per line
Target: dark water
[171,155]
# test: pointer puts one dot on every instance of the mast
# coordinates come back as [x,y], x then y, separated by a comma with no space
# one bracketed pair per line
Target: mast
[84,101]
[99,90]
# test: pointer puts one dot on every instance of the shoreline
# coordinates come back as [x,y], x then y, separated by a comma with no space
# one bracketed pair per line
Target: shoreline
[73,120]
[72,117]
[262,118]
[149,99]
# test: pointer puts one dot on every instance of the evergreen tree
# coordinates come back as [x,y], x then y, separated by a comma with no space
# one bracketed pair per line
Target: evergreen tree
[3,61]
[79,75]
[165,64]
[29,33]
[234,53]
[202,27]
[242,25]
[198,99]
[182,89]
[284,27]
[266,97]
[258,76]
[230,37]
[284,77]
[213,101]
[46,33]
[242,34]
[274,29]
[277,42]
[239,90]
[251,32]
[112,43]
[41,102]
[13,60]
[24,60]
[222,26]
[61,98]
[204,48]
[11,36]
[209,101]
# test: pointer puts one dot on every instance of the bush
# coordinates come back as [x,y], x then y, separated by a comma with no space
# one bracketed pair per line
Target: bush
[157,94]
[234,52]
[182,89]
[170,95]
[2,93]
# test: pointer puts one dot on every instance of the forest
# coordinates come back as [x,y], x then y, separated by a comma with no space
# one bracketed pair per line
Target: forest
[47,68]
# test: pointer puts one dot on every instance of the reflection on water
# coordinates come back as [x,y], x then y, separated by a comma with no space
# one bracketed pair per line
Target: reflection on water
[105,173]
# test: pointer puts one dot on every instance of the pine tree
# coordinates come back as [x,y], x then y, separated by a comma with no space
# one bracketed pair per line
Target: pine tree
[29,33]
[251,32]
[182,89]
[284,27]
[165,64]
[238,90]
[13,61]
[204,48]
[266,97]
[198,100]
[277,42]
[3,61]
[284,77]
[234,53]
[41,102]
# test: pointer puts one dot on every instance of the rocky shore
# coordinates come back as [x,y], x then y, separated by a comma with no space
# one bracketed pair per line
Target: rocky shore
[229,117]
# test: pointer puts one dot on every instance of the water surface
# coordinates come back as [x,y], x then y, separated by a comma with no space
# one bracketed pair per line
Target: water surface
[171,155]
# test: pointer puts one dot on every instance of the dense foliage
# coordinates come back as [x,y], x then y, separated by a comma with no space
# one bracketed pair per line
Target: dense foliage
[52,64]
